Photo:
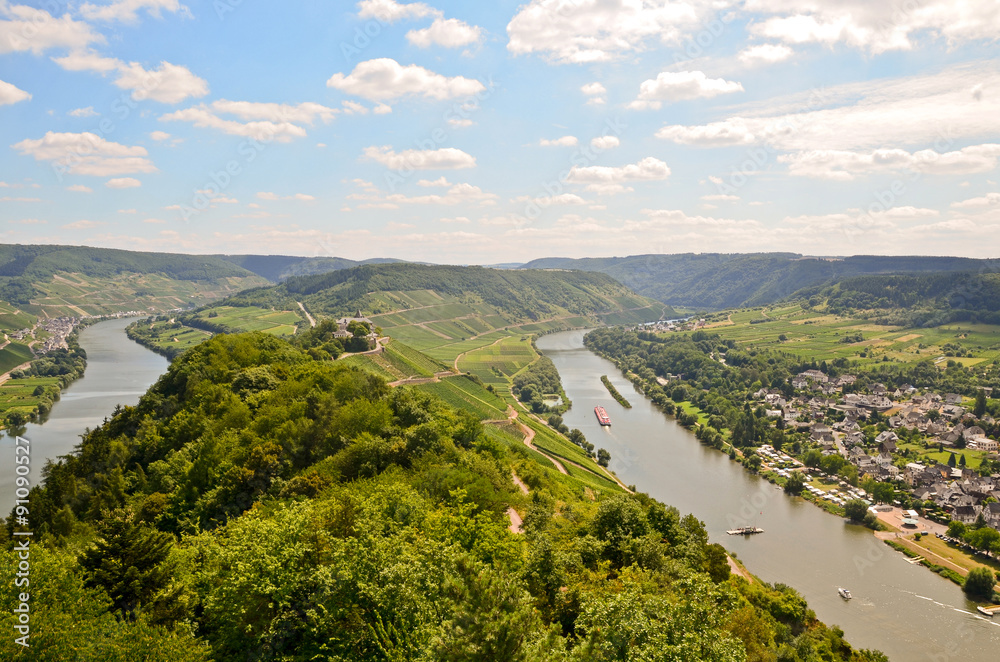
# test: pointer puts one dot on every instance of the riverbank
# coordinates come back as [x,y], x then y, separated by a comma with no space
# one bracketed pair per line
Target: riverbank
[904,610]
[29,391]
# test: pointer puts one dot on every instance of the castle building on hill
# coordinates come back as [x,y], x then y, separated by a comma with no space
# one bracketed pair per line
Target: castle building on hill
[343,333]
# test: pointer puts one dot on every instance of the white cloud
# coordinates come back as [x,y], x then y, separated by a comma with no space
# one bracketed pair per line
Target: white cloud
[565,141]
[10,199]
[126,11]
[29,29]
[720,197]
[84,112]
[546,200]
[765,54]
[354,108]
[605,142]
[9,94]
[88,60]
[922,110]
[154,221]
[459,122]
[729,132]
[595,92]
[123,182]
[611,180]
[448,158]
[79,188]
[170,83]
[83,225]
[846,165]
[585,31]
[680,86]
[266,121]
[382,109]
[875,26]
[127,211]
[440,181]
[86,154]
[384,79]
[457,219]
[390,11]
[990,200]
[446,32]
[267,195]
[159,135]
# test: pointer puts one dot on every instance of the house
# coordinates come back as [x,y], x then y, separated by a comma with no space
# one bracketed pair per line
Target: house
[952,398]
[344,322]
[982,444]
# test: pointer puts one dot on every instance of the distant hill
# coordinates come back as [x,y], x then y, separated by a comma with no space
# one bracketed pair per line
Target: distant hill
[716,280]
[428,306]
[277,268]
[52,280]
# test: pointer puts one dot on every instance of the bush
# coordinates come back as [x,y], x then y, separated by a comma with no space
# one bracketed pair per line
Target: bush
[979,584]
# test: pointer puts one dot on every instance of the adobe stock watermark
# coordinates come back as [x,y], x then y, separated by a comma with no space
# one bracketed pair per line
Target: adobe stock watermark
[217,181]
[752,505]
[887,198]
[758,157]
[582,157]
[122,108]
[458,113]
[22,541]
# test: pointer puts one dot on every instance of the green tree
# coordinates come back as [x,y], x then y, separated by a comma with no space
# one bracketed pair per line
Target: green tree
[795,483]
[952,461]
[980,407]
[128,561]
[603,457]
[856,509]
[884,492]
[979,584]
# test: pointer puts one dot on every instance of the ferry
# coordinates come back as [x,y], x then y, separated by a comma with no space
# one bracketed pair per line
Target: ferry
[844,593]
[602,416]
[745,530]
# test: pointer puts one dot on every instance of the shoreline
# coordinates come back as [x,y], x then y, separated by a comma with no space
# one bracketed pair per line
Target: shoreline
[770,476]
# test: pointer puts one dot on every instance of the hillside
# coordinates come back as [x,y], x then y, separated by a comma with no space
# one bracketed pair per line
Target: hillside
[56,281]
[277,268]
[445,310]
[261,505]
[715,281]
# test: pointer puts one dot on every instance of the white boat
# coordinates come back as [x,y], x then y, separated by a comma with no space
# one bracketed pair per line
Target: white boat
[984,610]
[745,530]
[844,593]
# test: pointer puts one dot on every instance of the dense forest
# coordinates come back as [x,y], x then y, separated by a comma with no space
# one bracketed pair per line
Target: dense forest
[277,268]
[716,281]
[259,504]
[521,295]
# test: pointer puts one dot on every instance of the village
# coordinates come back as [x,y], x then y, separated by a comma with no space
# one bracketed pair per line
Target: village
[869,431]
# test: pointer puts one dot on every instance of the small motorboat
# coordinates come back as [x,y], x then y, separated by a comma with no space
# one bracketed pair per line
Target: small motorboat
[984,610]
[844,593]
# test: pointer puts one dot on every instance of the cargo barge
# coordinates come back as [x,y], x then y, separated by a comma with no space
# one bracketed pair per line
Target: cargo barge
[602,416]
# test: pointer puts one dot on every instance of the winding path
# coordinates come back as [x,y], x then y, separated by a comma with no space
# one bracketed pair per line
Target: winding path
[312,322]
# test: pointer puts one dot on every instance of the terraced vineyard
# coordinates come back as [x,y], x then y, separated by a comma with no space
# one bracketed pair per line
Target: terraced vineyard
[253,318]
[73,294]
[816,335]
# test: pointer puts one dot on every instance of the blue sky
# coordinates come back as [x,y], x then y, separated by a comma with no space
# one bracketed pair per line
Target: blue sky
[461,132]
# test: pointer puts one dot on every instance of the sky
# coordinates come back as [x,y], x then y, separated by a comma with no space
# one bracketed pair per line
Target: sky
[499,132]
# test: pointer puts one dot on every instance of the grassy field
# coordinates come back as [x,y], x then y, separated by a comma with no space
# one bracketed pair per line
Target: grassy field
[816,335]
[18,394]
[498,362]
[165,336]
[14,355]
[68,294]
[463,393]
[938,551]
[252,318]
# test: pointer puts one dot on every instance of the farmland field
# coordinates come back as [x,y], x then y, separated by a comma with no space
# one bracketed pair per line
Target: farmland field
[815,335]
[252,318]
[18,394]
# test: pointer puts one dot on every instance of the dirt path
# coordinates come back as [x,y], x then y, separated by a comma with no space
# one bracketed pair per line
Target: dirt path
[5,376]
[519,483]
[515,520]
[738,570]
[305,312]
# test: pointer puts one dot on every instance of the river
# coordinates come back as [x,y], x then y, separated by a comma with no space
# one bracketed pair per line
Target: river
[904,610]
[118,372]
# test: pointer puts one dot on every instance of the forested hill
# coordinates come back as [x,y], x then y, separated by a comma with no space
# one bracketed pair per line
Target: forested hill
[258,504]
[277,268]
[716,280]
[523,295]
[53,281]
